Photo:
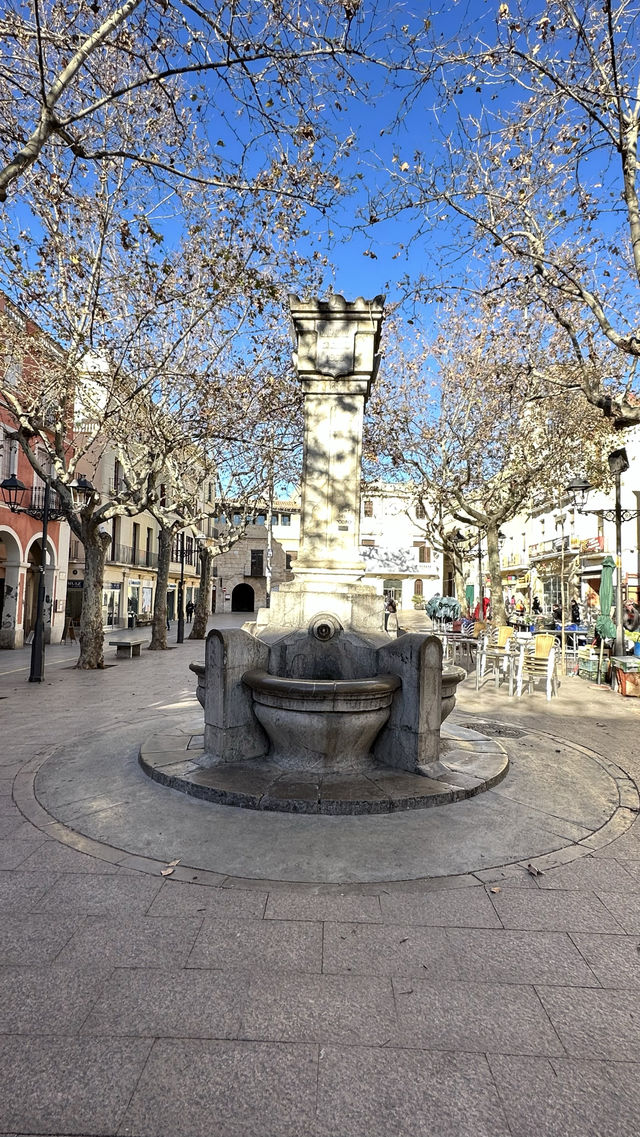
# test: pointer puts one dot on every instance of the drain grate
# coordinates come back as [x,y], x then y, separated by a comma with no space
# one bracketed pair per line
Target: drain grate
[495,729]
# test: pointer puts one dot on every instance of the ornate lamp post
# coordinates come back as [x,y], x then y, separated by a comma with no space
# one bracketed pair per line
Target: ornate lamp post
[13,491]
[578,491]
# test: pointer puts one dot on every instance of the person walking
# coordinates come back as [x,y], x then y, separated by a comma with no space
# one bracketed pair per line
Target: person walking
[389,610]
[190,610]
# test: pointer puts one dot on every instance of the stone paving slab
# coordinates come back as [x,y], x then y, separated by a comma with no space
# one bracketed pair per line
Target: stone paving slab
[404,1093]
[245,1003]
[65,1085]
[462,954]
[44,1000]
[168,1002]
[340,1009]
[548,1097]
[130,941]
[475,1017]
[285,945]
[230,1089]
[595,1024]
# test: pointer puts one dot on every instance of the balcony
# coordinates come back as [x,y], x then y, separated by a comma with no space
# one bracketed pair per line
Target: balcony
[33,502]
[545,549]
[127,555]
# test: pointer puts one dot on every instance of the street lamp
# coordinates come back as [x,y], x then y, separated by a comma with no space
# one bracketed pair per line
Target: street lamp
[13,491]
[82,490]
[578,491]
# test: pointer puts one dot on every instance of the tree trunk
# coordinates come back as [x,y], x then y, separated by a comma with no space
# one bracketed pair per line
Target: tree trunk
[91,633]
[159,626]
[201,613]
[498,610]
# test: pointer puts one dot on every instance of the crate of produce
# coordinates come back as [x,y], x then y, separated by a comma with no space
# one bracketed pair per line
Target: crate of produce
[629,664]
[628,683]
[588,669]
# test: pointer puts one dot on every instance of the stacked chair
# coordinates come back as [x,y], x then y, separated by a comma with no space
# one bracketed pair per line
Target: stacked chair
[539,662]
[496,654]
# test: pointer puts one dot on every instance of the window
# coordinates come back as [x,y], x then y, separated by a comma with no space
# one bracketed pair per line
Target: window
[8,455]
[261,519]
[209,492]
[274,518]
[257,562]
[147,553]
[236,519]
[13,372]
[424,552]
[417,588]
[420,513]
[117,476]
[285,519]
[288,561]
[368,508]
[369,544]
[136,542]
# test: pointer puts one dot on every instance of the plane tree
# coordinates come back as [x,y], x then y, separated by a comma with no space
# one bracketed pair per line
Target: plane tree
[524,178]
[483,448]
[147,322]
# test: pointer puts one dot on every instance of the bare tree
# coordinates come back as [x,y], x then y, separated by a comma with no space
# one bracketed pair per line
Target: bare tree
[486,449]
[528,183]
[259,87]
[151,335]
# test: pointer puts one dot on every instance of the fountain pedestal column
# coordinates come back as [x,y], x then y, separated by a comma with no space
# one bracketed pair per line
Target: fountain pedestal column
[336,358]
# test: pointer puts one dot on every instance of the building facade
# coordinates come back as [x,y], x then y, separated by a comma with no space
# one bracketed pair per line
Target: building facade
[21,551]
[131,564]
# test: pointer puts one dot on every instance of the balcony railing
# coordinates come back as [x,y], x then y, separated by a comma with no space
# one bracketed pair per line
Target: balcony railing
[33,502]
[127,555]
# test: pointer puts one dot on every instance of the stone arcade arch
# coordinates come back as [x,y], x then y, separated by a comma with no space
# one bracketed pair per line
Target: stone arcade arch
[10,564]
[243,598]
[34,560]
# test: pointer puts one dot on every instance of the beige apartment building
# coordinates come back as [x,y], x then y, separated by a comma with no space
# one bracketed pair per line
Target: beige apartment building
[129,586]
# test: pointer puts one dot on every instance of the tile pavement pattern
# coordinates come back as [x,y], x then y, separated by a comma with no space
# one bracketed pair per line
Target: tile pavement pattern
[131,1004]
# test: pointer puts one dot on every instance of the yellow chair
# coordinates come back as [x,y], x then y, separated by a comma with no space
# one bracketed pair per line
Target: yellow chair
[494,654]
[539,661]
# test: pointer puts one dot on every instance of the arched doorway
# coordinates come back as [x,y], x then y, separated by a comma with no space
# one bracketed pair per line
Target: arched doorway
[243,598]
[34,560]
[31,584]
[10,560]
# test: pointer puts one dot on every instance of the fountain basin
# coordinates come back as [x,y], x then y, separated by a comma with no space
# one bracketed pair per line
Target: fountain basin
[321,725]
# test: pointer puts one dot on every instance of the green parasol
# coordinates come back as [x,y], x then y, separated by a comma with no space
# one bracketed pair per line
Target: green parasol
[605,626]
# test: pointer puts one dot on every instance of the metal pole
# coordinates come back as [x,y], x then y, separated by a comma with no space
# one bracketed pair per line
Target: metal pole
[480,582]
[36,674]
[564,598]
[619,626]
[180,636]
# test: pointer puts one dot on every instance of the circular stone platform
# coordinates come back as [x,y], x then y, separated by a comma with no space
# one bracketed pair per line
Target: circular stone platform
[560,801]
[470,763]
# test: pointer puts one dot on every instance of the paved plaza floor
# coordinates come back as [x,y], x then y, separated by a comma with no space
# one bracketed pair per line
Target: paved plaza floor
[470,970]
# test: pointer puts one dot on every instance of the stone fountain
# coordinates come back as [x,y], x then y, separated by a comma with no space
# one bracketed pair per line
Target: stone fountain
[314,707]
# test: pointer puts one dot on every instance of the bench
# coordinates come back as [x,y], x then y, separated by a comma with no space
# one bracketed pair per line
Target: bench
[126,648]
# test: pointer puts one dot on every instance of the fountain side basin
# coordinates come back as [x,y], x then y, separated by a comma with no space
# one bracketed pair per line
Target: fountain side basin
[321,725]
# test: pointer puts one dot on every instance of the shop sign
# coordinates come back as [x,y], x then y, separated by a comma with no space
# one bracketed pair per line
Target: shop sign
[592,545]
